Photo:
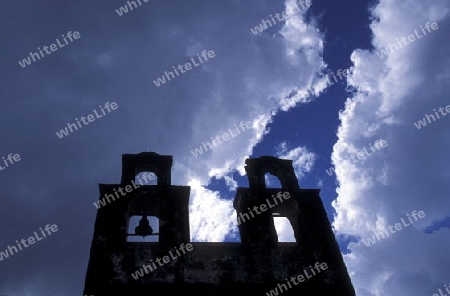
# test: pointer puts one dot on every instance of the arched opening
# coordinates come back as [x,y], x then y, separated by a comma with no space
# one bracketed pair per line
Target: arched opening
[272,181]
[146,178]
[139,230]
[284,229]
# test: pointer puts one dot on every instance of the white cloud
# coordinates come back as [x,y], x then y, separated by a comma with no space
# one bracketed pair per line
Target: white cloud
[410,173]
[284,229]
[231,183]
[210,217]
[302,159]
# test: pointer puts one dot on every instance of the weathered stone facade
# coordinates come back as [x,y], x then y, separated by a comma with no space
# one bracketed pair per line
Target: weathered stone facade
[256,265]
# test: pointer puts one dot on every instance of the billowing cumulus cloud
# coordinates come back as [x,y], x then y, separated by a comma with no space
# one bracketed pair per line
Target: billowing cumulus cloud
[391,93]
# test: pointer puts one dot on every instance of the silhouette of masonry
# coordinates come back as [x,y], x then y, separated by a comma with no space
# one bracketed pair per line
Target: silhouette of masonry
[256,265]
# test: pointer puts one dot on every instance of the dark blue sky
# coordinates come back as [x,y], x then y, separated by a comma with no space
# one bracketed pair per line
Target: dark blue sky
[266,79]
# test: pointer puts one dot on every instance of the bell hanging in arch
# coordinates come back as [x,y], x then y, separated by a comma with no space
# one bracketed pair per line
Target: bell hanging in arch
[144,227]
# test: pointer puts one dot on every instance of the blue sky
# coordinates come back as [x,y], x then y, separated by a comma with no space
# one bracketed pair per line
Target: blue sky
[277,80]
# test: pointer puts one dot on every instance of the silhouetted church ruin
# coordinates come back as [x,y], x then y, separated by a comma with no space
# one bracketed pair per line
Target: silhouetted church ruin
[257,265]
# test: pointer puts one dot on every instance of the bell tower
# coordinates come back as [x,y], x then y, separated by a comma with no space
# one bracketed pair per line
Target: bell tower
[315,240]
[261,229]
[113,247]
